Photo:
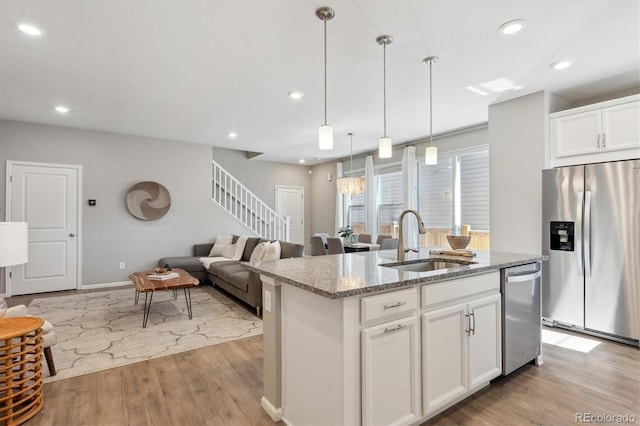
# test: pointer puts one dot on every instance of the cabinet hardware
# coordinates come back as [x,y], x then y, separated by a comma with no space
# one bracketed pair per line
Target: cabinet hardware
[473,329]
[468,330]
[396,328]
[394,305]
[603,139]
[598,142]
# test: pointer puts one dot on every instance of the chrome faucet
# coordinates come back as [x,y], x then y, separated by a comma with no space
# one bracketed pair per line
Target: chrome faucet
[401,248]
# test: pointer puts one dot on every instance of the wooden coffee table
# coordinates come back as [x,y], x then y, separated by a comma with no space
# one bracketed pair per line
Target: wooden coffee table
[148,287]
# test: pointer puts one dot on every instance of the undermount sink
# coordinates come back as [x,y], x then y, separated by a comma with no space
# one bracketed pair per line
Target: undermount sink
[426,265]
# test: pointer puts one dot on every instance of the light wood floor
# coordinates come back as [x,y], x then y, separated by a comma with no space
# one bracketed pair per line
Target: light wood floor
[222,385]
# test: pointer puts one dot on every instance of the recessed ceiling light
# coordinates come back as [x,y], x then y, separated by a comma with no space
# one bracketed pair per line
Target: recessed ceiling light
[301,160]
[296,95]
[29,29]
[512,27]
[232,135]
[61,109]
[561,65]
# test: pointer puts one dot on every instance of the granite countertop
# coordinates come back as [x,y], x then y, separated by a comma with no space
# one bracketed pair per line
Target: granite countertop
[342,275]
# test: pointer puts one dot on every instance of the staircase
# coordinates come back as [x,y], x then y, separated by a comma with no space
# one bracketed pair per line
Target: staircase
[246,208]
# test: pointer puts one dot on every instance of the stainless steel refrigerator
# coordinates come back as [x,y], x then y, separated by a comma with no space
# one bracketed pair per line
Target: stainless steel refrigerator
[591,233]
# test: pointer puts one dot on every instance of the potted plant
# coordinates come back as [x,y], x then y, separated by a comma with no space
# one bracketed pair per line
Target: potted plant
[347,234]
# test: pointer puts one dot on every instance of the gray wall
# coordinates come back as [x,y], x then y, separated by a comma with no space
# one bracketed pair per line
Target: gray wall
[261,177]
[324,192]
[112,163]
[517,140]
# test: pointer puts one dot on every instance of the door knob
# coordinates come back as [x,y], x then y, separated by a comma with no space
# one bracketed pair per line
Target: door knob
[72,235]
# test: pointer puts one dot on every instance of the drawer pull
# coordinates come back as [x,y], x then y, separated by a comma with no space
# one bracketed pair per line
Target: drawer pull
[396,328]
[394,305]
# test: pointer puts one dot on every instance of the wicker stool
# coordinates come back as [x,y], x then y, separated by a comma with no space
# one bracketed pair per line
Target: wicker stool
[20,369]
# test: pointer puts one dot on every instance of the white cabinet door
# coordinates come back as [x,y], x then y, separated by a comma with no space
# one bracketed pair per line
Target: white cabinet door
[485,349]
[576,134]
[621,127]
[444,363]
[391,373]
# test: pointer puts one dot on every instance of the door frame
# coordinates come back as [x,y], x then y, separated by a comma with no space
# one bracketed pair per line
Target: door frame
[9,169]
[277,205]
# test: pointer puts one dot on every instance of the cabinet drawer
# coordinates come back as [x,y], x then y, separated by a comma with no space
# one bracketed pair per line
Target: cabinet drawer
[388,305]
[459,289]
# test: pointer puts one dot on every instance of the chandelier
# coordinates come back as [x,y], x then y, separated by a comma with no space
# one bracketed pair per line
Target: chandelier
[350,185]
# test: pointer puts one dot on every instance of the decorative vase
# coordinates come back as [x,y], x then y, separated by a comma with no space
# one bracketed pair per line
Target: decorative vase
[351,239]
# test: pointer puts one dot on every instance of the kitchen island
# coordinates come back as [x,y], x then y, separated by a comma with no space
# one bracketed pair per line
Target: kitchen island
[360,339]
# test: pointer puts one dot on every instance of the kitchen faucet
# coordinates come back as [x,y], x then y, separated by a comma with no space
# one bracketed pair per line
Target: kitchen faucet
[401,248]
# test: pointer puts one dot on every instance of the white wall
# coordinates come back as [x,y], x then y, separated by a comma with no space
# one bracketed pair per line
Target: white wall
[517,140]
[112,163]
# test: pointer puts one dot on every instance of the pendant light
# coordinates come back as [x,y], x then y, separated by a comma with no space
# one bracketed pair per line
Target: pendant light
[350,185]
[385,144]
[325,133]
[430,152]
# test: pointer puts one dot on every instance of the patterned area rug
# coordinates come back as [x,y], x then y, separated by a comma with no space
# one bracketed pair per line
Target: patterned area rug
[101,330]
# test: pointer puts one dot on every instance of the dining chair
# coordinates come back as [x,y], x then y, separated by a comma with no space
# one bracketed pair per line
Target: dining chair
[317,246]
[382,237]
[322,235]
[364,238]
[335,245]
[389,243]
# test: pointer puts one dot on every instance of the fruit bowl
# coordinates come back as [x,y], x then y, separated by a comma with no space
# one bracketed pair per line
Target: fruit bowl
[458,242]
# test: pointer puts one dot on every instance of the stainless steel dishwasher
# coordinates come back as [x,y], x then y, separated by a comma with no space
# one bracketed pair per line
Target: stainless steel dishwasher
[521,316]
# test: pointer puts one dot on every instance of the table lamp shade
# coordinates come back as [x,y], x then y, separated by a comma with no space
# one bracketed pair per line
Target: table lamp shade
[13,243]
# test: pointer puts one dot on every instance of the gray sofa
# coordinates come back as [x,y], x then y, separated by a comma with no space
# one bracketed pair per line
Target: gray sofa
[232,276]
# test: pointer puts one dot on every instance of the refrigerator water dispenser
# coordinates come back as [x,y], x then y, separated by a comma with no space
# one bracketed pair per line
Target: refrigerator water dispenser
[561,236]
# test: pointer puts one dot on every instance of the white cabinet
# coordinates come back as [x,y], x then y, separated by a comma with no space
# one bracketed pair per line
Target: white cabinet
[608,131]
[390,373]
[461,350]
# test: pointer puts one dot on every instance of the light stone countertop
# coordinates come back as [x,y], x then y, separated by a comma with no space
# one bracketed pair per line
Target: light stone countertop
[342,275]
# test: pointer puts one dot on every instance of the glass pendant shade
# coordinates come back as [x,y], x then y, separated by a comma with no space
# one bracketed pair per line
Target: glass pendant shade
[350,185]
[385,148]
[325,137]
[431,155]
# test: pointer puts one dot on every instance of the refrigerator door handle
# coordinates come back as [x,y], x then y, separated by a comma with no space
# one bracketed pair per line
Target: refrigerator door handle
[578,234]
[587,234]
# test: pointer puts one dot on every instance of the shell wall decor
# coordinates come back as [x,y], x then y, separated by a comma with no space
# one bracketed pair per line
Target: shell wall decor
[148,200]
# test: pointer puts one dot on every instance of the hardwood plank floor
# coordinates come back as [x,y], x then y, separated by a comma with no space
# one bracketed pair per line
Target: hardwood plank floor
[222,385]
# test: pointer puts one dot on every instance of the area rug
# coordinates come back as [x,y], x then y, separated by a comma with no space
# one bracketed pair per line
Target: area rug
[101,330]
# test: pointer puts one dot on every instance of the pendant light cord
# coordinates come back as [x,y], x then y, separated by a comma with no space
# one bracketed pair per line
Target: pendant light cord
[384,85]
[325,72]
[351,150]
[430,105]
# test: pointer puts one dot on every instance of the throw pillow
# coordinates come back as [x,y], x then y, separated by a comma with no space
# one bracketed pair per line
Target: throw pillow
[221,242]
[272,252]
[229,251]
[258,252]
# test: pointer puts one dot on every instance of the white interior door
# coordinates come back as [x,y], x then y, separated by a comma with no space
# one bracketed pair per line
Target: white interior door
[46,196]
[290,202]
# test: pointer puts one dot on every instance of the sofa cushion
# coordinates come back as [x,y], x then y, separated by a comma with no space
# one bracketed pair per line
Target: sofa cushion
[258,252]
[225,271]
[221,242]
[288,250]
[251,244]
[202,250]
[240,280]
[187,263]
[272,252]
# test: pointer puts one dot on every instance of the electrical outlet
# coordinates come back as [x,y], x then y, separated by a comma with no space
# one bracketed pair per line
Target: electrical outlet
[267,301]
[121,265]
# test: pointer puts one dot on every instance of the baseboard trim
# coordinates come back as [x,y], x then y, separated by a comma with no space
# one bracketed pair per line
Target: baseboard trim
[273,412]
[106,285]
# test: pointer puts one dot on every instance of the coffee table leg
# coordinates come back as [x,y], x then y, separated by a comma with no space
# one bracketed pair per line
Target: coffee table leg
[147,308]
[187,298]
[137,295]
[175,293]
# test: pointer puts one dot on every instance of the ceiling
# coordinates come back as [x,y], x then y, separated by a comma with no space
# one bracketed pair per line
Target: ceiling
[195,70]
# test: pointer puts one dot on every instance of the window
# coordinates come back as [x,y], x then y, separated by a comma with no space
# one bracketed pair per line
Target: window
[356,213]
[452,193]
[389,201]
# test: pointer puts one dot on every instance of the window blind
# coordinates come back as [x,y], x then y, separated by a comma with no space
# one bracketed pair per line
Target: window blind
[474,190]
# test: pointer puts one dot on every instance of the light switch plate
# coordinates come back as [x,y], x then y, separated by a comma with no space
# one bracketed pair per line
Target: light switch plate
[267,301]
